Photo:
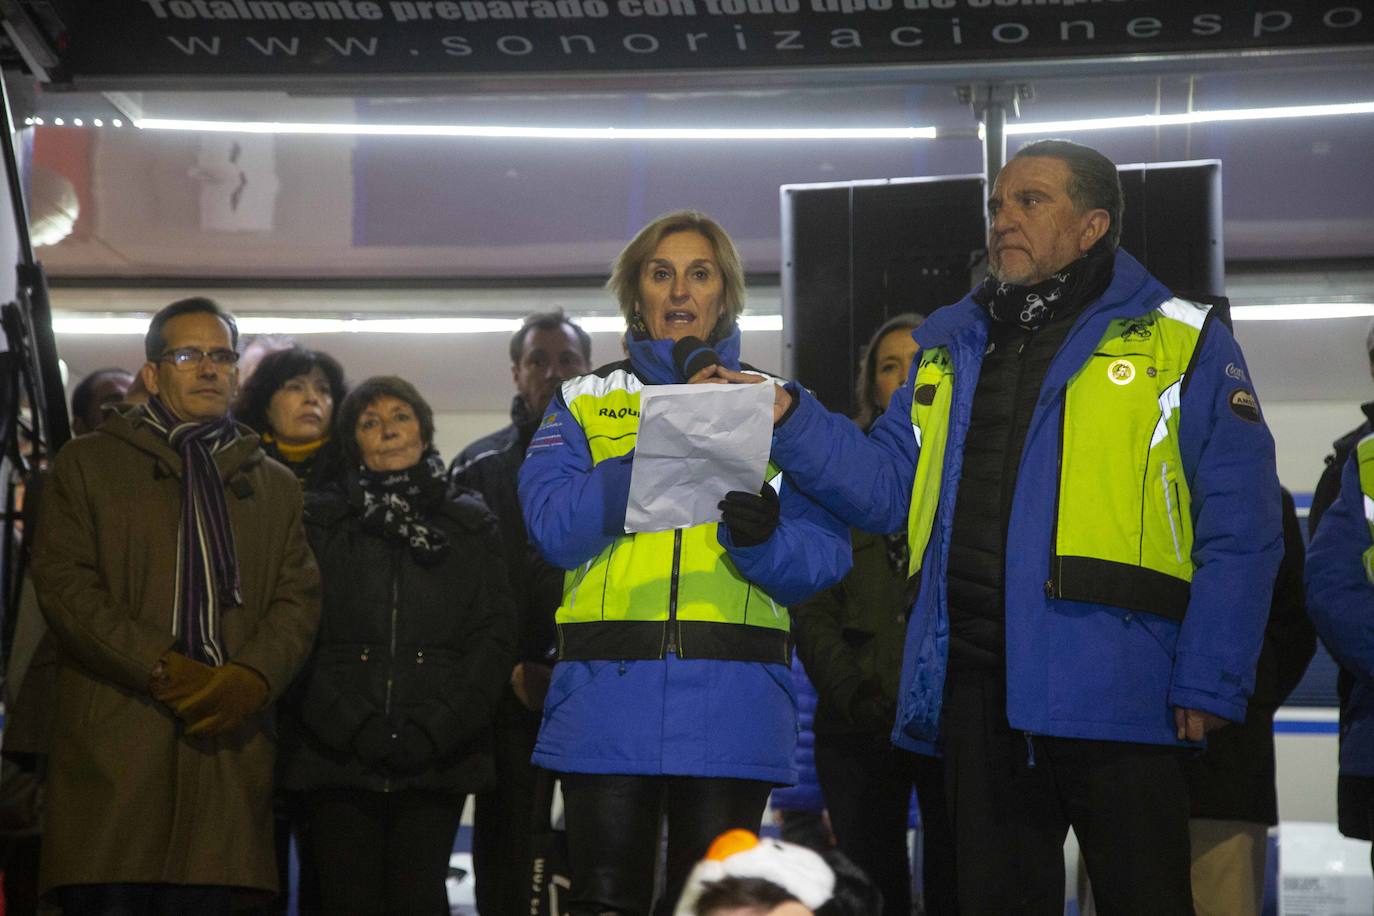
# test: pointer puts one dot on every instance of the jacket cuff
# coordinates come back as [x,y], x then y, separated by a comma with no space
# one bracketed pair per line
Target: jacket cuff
[793,389]
[1200,682]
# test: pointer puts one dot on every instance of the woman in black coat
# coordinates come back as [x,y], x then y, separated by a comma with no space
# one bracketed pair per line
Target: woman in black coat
[850,640]
[292,400]
[387,729]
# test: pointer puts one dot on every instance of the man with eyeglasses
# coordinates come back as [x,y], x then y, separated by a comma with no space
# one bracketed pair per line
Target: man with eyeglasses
[174,573]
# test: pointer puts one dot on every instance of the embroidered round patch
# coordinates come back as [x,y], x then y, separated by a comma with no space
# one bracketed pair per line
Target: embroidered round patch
[1244,405]
[1121,372]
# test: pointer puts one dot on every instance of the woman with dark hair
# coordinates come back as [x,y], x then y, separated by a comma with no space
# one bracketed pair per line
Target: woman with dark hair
[672,695]
[387,729]
[850,640]
[290,401]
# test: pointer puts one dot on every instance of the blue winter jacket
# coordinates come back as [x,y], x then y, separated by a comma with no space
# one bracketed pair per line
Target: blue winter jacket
[806,794]
[1074,669]
[1340,601]
[670,716]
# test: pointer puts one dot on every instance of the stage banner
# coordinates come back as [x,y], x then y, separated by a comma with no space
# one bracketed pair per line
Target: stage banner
[345,38]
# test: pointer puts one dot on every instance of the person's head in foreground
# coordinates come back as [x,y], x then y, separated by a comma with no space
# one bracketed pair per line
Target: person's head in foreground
[745,875]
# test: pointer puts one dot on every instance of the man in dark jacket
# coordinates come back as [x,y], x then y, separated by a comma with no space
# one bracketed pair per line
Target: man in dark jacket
[1354,794]
[547,350]
[1330,484]
[1095,538]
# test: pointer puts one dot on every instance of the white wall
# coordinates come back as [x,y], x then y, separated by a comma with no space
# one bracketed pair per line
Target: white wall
[1303,433]
[455,431]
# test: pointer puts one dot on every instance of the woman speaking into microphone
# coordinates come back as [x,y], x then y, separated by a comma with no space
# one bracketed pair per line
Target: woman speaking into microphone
[672,695]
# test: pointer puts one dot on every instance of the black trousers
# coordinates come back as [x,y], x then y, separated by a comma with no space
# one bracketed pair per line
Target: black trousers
[867,785]
[613,830]
[503,822]
[144,900]
[1013,797]
[383,853]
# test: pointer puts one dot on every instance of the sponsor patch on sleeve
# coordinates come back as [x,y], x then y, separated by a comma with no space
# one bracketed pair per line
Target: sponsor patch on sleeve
[547,436]
[1244,405]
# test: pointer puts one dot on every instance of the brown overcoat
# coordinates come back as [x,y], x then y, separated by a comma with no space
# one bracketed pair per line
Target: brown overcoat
[129,798]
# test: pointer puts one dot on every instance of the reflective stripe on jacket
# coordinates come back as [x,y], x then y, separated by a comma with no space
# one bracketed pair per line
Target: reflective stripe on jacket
[1364,454]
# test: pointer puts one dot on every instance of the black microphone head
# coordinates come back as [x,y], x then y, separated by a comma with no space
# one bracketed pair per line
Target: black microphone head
[692,354]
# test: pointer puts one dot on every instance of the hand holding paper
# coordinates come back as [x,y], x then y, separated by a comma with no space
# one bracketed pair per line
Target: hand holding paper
[697,443]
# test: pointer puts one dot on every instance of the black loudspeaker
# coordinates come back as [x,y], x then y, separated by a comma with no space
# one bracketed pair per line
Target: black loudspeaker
[1172,224]
[856,253]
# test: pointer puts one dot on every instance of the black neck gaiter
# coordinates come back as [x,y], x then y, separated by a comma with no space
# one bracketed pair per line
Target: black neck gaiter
[1031,307]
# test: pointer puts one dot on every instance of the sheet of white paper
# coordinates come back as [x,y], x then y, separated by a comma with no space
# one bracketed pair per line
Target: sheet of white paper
[695,444]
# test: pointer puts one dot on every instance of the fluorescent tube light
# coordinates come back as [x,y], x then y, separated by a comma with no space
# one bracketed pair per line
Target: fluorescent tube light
[76,323]
[1193,117]
[1302,311]
[543,133]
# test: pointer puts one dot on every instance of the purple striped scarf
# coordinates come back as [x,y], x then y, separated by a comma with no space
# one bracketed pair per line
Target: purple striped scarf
[207,564]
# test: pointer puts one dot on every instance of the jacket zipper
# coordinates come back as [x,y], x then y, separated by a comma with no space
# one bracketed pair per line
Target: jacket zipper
[1010,461]
[391,657]
[1169,507]
[672,594]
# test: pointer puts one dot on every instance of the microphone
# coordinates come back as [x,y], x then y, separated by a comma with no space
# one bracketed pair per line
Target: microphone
[691,355]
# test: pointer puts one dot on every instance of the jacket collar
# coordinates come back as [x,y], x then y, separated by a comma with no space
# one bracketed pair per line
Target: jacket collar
[1132,292]
[652,359]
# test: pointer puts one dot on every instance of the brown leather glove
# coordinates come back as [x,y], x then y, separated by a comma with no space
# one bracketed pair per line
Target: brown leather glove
[530,681]
[233,693]
[177,677]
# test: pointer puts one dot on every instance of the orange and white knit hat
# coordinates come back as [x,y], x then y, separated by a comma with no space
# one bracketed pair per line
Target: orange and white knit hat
[740,854]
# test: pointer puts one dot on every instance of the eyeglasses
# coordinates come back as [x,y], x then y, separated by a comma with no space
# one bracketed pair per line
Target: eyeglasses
[188,358]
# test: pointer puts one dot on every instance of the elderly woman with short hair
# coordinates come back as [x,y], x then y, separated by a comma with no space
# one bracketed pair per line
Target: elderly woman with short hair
[387,730]
[672,694]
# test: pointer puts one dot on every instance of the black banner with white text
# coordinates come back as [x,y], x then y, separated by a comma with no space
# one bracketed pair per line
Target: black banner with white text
[372,37]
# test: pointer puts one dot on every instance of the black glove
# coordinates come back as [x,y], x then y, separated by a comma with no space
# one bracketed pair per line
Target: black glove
[870,710]
[414,750]
[751,517]
[375,741]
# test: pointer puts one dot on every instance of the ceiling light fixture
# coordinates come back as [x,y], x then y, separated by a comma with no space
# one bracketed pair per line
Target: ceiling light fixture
[1193,117]
[479,131]
[106,324]
[1302,311]
[543,133]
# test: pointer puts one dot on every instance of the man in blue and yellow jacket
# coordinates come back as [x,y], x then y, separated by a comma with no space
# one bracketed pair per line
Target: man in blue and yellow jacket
[1092,508]
[1340,601]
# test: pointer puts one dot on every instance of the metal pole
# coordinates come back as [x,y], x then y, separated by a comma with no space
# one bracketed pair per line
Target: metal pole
[991,103]
[994,140]
[51,425]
